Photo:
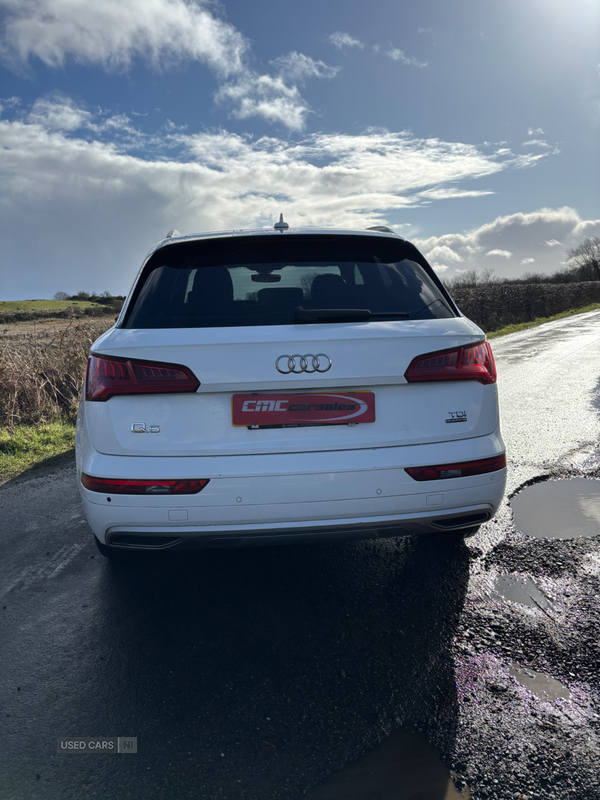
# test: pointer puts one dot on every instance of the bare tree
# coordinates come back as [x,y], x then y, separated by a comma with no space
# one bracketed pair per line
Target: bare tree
[489,276]
[61,296]
[532,277]
[464,280]
[586,259]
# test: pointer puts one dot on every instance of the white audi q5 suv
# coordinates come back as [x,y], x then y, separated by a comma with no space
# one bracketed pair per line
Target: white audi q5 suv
[271,386]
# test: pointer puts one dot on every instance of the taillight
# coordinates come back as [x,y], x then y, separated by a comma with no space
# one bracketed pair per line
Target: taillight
[473,362]
[463,470]
[118,486]
[108,375]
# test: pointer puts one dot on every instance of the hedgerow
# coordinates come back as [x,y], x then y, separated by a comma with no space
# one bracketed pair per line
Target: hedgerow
[495,305]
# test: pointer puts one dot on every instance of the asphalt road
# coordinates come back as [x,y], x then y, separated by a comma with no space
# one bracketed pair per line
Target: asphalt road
[257,673]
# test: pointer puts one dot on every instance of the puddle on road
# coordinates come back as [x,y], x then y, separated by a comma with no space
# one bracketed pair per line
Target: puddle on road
[403,767]
[541,685]
[521,590]
[567,509]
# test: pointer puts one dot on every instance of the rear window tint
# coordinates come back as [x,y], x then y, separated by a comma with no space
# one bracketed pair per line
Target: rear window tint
[262,280]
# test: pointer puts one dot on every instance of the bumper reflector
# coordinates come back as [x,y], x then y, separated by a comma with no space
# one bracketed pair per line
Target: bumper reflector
[158,487]
[462,470]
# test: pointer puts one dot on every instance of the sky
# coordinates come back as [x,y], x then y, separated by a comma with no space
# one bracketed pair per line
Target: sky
[470,127]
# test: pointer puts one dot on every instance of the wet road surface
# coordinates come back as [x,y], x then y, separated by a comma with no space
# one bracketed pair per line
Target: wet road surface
[243,673]
[262,673]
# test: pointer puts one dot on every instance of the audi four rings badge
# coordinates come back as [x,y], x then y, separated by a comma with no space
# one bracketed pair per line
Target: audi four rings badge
[305,363]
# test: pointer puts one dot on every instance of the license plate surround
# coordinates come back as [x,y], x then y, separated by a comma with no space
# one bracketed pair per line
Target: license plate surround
[302,409]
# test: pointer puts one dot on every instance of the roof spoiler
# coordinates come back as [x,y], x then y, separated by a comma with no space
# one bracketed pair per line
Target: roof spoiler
[382,228]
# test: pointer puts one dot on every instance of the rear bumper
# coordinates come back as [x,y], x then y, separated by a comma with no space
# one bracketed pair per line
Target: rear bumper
[136,538]
[293,497]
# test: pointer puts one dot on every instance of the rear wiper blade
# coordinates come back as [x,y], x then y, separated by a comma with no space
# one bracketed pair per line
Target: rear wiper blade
[344,314]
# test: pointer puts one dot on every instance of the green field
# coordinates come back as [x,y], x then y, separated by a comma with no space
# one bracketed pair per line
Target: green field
[42,305]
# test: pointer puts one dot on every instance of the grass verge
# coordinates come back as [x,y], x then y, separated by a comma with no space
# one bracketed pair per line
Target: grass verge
[28,445]
[523,326]
[43,305]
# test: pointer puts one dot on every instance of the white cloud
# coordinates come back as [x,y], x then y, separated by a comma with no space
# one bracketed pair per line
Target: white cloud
[95,191]
[451,192]
[399,55]
[536,143]
[265,96]
[297,67]
[542,236]
[9,103]
[276,98]
[443,252]
[535,132]
[342,40]
[59,113]
[499,253]
[115,33]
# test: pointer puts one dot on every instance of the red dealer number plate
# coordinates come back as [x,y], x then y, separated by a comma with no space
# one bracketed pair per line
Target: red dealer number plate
[293,410]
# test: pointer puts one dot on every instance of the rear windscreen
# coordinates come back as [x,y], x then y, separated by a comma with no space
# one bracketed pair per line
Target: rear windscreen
[265,280]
